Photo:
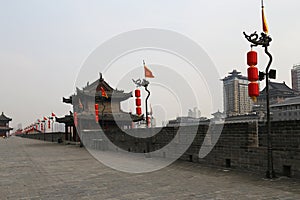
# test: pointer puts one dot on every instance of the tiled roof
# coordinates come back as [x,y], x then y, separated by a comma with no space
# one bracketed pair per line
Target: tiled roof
[4,118]
[94,90]
[234,74]
[279,86]
[279,89]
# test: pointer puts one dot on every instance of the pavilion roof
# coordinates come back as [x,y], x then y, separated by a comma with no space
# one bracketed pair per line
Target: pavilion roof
[279,89]
[4,118]
[94,90]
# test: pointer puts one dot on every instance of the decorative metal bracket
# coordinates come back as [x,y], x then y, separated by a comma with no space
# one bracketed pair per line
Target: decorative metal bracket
[264,39]
[140,83]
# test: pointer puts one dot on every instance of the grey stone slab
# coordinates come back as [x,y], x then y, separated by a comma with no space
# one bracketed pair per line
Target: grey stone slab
[32,169]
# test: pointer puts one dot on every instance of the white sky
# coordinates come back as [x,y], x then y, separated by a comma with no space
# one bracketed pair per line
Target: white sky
[44,43]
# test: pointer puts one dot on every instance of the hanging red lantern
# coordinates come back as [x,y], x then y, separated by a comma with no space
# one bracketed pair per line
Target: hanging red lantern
[138,102]
[138,110]
[75,119]
[252,73]
[49,125]
[253,89]
[137,93]
[252,58]
[96,112]
[149,121]
[96,109]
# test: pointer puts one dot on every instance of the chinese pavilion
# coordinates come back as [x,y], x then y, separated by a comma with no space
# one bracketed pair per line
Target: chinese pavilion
[70,129]
[4,125]
[108,100]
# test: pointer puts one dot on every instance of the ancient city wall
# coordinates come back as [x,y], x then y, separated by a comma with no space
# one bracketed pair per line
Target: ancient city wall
[240,146]
[50,137]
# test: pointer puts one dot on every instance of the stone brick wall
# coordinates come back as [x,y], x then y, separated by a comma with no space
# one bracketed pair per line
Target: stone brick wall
[50,137]
[240,146]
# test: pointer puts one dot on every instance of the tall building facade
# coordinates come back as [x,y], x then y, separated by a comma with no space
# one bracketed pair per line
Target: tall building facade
[295,72]
[235,94]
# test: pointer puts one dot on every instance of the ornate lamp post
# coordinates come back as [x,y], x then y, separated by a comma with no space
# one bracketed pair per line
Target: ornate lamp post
[145,84]
[264,40]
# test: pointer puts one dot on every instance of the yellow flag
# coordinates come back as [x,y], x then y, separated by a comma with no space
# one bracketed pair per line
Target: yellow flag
[264,21]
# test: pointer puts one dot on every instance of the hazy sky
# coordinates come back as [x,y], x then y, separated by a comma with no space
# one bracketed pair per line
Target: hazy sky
[44,43]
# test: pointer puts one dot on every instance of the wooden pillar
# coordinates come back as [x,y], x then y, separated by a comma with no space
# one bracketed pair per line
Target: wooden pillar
[66,132]
[74,133]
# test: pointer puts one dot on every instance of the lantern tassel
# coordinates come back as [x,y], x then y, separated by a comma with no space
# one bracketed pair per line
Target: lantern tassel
[254,99]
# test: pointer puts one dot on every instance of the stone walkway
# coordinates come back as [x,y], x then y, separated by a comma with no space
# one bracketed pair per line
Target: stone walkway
[31,169]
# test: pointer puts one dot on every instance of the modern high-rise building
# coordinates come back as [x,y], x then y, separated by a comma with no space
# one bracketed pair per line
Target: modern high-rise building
[235,94]
[295,72]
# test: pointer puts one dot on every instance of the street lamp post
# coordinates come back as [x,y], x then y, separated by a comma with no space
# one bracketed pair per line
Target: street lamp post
[145,84]
[264,41]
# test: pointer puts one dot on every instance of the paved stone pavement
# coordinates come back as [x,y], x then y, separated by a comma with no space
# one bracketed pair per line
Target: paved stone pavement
[32,169]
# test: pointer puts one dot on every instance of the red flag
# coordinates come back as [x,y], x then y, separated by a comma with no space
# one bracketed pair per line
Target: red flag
[148,73]
[103,93]
[45,118]
[53,114]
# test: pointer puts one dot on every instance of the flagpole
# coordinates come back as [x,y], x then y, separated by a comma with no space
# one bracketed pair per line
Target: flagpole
[146,101]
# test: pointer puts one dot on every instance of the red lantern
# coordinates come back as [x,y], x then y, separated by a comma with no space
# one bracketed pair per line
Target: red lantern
[49,124]
[137,93]
[149,121]
[252,73]
[75,119]
[138,110]
[96,112]
[252,58]
[253,89]
[96,109]
[138,102]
